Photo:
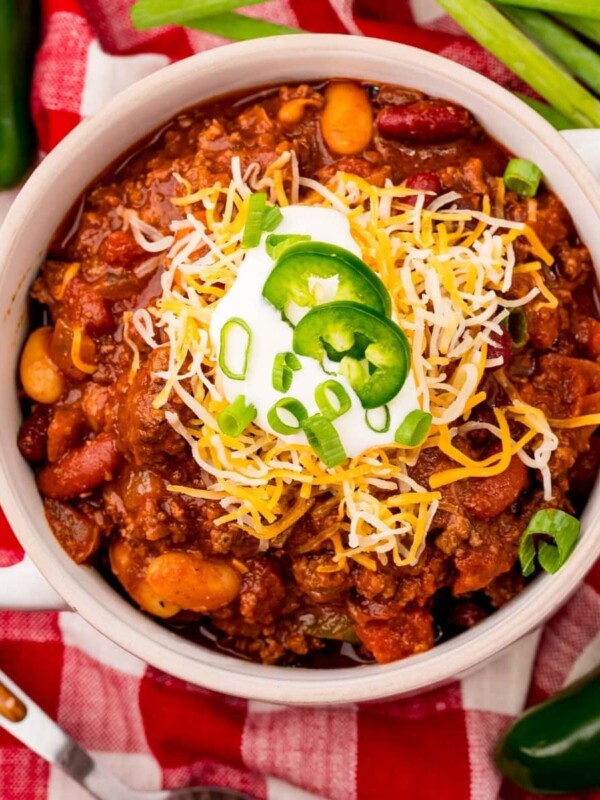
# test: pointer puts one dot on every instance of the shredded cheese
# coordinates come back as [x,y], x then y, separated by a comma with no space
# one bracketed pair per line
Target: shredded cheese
[449,272]
[68,275]
[576,422]
[76,356]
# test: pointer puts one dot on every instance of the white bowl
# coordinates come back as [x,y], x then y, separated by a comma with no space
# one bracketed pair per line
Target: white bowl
[45,200]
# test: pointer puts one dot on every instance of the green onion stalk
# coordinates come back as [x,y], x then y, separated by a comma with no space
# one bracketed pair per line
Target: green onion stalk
[211,16]
[580,8]
[568,48]
[590,28]
[152,13]
[550,114]
[488,26]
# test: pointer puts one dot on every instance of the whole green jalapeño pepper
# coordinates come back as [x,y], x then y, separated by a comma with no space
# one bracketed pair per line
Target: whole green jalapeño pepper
[373,352]
[554,748]
[297,275]
[18,25]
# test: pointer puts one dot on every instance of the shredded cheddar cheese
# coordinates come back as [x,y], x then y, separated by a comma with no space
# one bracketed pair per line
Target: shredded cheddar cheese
[70,272]
[449,272]
[76,356]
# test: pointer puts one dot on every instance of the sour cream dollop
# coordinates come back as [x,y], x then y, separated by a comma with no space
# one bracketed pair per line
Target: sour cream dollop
[272,335]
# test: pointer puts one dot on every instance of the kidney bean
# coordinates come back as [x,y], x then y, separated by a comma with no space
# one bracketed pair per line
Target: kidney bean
[424,182]
[33,434]
[466,614]
[66,431]
[485,498]
[81,470]
[501,348]
[86,308]
[78,534]
[425,122]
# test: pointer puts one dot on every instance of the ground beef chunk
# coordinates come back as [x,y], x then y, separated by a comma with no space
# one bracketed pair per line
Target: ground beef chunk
[320,586]
[144,430]
[490,552]
[263,591]
[545,214]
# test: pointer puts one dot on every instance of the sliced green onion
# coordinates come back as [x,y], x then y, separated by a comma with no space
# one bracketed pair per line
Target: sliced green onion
[496,33]
[293,411]
[293,362]
[278,242]
[413,430]
[152,13]
[566,46]
[282,375]
[239,27]
[234,350]
[324,440]
[378,419]
[284,366]
[523,177]
[260,218]
[518,328]
[234,419]
[272,218]
[581,8]
[550,114]
[323,399]
[590,28]
[563,528]
[253,229]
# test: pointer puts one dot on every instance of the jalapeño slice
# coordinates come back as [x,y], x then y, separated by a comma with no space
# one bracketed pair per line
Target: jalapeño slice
[302,269]
[373,352]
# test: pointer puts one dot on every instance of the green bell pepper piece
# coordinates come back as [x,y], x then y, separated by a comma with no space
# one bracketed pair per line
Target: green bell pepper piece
[554,748]
[290,280]
[373,352]
[18,37]
[330,623]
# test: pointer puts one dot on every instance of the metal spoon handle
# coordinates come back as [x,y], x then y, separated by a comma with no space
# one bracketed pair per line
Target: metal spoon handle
[26,721]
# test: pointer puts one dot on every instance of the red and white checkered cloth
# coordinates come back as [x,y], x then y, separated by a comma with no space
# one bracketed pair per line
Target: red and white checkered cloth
[153,730]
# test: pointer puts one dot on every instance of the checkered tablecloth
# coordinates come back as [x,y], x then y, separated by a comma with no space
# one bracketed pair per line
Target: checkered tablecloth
[153,730]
